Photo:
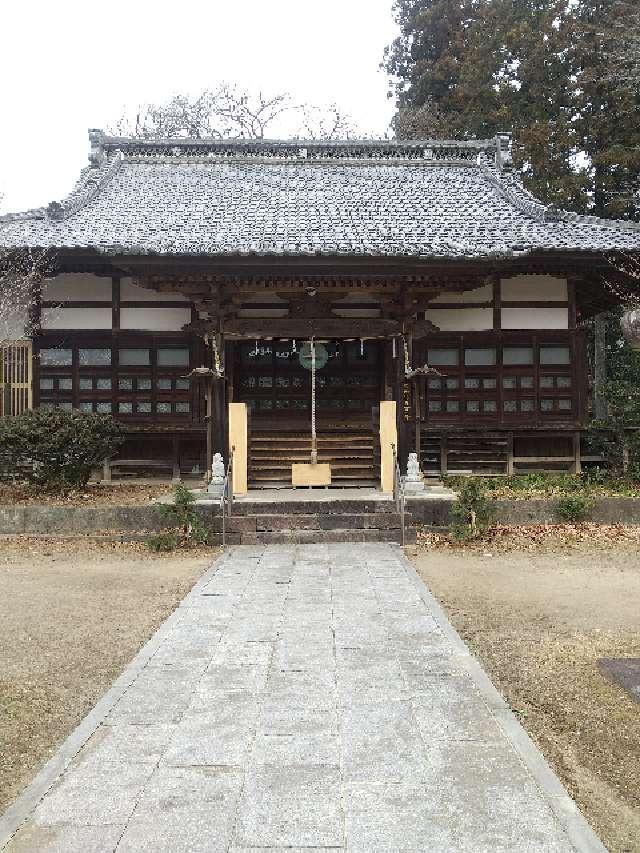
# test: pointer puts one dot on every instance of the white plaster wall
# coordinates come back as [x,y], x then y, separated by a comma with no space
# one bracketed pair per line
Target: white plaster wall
[461,319]
[535,318]
[154,319]
[76,287]
[129,292]
[534,288]
[76,318]
[479,294]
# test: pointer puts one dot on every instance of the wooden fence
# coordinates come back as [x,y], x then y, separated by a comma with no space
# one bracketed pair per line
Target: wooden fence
[16,376]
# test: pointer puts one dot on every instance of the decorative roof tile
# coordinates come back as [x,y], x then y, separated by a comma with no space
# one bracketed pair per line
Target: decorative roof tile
[420,199]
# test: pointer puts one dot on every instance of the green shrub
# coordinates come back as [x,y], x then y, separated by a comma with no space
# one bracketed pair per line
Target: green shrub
[190,529]
[617,435]
[574,508]
[161,542]
[56,451]
[472,513]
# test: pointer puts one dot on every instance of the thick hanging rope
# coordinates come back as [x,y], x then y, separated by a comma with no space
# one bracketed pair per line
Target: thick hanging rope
[314,443]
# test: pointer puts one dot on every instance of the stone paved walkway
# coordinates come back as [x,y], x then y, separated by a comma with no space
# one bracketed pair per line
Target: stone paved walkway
[304,698]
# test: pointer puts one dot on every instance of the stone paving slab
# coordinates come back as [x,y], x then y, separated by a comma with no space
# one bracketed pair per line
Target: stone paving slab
[301,698]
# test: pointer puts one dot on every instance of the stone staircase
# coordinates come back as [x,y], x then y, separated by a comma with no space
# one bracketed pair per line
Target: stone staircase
[309,522]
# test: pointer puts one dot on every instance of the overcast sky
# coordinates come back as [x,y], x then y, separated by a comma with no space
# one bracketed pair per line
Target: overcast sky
[67,65]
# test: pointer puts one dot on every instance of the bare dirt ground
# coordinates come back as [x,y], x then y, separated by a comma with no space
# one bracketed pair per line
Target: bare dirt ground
[540,613]
[73,614]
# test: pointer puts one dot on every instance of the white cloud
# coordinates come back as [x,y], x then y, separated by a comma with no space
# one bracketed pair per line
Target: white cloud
[70,65]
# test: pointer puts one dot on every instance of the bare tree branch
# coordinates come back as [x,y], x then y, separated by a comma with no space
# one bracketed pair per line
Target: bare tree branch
[21,272]
[324,123]
[626,289]
[230,112]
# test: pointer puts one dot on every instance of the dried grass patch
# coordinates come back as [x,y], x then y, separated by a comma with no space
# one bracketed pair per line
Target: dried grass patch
[73,614]
[536,537]
[540,618]
[95,494]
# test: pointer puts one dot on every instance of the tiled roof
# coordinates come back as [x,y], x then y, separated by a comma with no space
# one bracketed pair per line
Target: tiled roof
[422,199]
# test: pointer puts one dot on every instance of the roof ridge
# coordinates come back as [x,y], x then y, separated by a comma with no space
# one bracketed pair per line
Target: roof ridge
[24,215]
[517,195]
[92,180]
[443,150]
[587,219]
[89,183]
[527,203]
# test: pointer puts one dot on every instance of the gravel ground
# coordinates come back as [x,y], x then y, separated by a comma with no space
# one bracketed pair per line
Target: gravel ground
[73,614]
[540,618]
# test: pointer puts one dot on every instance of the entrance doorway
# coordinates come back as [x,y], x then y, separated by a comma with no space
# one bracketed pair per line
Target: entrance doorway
[272,378]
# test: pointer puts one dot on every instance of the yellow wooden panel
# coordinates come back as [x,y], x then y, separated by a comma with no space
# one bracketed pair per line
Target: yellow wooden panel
[388,440]
[16,375]
[238,442]
[303,474]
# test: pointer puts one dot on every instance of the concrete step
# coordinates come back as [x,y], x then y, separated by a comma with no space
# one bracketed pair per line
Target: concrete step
[270,522]
[313,537]
[319,506]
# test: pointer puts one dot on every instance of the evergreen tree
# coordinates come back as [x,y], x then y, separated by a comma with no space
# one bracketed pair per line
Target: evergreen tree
[607,101]
[558,74]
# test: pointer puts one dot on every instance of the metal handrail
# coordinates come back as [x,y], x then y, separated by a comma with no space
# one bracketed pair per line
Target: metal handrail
[226,499]
[398,492]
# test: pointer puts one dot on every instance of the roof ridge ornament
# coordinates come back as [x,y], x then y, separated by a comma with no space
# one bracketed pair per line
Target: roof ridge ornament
[97,153]
[504,149]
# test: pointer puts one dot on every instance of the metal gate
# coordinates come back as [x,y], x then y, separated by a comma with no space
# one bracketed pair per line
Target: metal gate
[16,375]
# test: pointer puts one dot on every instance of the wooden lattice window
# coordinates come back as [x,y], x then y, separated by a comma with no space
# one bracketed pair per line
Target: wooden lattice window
[15,378]
[137,378]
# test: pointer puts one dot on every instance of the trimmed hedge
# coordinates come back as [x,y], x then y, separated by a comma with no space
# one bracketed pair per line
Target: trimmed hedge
[56,450]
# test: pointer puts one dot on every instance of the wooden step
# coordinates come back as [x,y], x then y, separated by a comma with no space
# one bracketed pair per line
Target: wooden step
[273,473]
[351,453]
[269,445]
[285,465]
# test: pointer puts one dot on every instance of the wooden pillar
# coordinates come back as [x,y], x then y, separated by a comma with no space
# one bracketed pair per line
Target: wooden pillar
[510,454]
[577,456]
[389,369]
[218,430]
[388,440]
[209,425]
[416,415]
[5,402]
[443,456]
[398,393]
[238,439]
[175,447]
